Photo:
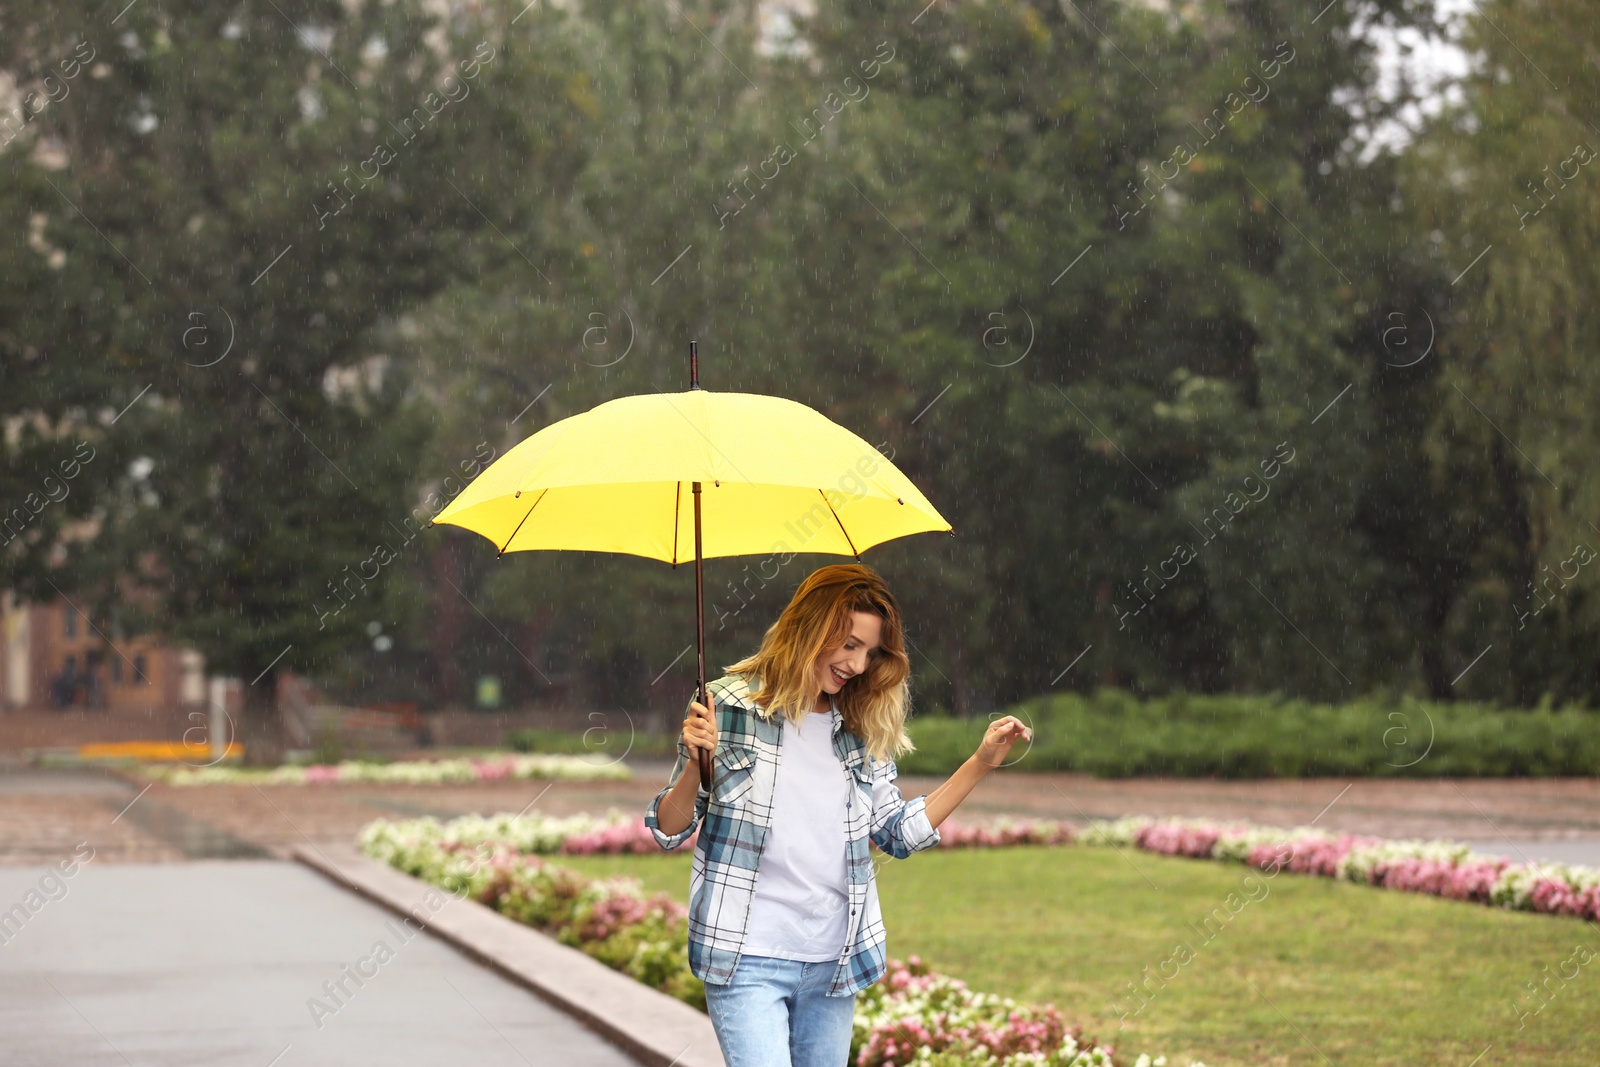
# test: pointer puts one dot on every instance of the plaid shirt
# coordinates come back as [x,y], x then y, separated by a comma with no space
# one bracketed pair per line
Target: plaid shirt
[737,815]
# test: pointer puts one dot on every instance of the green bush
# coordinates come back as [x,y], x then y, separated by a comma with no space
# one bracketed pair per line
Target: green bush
[596,742]
[1114,734]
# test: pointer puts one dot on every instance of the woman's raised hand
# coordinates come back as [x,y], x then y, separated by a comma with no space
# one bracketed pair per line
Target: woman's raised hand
[700,729]
[998,739]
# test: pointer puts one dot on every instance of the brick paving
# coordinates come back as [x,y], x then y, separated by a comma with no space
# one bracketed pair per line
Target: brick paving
[39,830]
[44,814]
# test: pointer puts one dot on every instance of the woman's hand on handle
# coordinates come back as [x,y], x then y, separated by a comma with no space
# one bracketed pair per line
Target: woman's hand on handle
[676,810]
[700,730]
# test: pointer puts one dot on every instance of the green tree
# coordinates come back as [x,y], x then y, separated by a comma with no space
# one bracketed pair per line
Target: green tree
[284,179]
[975,196]
[1192,311]
[1504,184]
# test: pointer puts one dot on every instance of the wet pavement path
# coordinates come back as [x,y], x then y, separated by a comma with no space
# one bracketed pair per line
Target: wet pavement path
[243,962]
[137,927]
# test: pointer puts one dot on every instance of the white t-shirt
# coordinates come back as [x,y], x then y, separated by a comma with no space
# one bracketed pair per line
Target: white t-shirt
[801,906]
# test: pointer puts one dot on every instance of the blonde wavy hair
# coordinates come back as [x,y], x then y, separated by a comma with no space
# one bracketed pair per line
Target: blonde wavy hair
[875,703]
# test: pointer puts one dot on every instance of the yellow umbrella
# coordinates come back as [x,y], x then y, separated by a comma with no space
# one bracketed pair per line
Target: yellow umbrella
[728,473]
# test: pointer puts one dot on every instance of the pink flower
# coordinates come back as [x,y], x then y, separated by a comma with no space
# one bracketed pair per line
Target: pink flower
[899,1040]
[1589,903]
[1554,897]
[1178,839]
[633,837]
[955,834]
[492,770]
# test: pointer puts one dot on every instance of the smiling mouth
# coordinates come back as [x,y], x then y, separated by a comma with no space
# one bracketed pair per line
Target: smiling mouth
[836,676]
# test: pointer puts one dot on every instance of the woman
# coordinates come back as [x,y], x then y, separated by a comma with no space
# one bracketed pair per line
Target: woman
[784,925]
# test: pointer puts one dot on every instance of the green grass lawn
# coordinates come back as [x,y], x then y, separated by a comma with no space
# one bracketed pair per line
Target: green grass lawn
[1353,975]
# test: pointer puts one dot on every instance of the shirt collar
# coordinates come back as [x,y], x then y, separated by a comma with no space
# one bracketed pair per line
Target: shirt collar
[846,745]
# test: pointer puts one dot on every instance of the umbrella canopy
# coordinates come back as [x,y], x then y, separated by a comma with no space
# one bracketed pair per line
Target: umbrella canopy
[693,475]
[619,477]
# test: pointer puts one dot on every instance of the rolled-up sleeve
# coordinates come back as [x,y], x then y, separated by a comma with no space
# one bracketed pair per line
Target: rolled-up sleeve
[899,826]
[672,841]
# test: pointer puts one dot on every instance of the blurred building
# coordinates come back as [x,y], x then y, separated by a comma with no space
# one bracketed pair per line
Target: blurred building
[50,657]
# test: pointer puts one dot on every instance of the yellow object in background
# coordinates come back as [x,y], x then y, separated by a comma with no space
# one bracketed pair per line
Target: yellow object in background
[157,751]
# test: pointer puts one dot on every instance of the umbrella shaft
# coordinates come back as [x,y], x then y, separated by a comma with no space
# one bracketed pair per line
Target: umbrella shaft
[700,619]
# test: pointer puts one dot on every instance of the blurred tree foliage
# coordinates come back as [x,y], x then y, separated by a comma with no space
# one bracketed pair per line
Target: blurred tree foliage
[1116,284]
[242,195]
[1504,185]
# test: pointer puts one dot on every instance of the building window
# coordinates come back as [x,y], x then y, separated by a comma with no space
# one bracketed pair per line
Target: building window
[69,624]
[116,671]
[139,674]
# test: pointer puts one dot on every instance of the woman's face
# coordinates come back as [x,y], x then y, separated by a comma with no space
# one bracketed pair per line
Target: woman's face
[851,658]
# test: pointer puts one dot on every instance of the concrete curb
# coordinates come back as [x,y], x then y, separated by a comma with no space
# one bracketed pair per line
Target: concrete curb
[658,1030]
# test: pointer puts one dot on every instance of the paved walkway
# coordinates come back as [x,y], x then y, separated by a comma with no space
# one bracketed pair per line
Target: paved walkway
[217,962]
[1586,853]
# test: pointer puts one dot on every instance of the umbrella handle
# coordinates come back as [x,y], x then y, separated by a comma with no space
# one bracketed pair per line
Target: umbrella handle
[705,757]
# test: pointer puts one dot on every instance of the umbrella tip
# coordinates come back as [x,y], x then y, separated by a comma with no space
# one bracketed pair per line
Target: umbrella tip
[517,495]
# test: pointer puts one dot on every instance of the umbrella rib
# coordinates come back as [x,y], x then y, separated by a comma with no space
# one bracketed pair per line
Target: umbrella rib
[518,530]
[842,530]
[677,504]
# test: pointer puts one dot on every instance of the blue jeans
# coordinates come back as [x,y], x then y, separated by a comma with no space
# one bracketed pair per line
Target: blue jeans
[773,1013]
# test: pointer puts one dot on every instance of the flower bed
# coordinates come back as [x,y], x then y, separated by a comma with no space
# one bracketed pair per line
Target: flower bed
[627,835]
[912,1015]
[1004,832]
[1440,868]
[407,772]
[543,835]
[616,833]
[610,919]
